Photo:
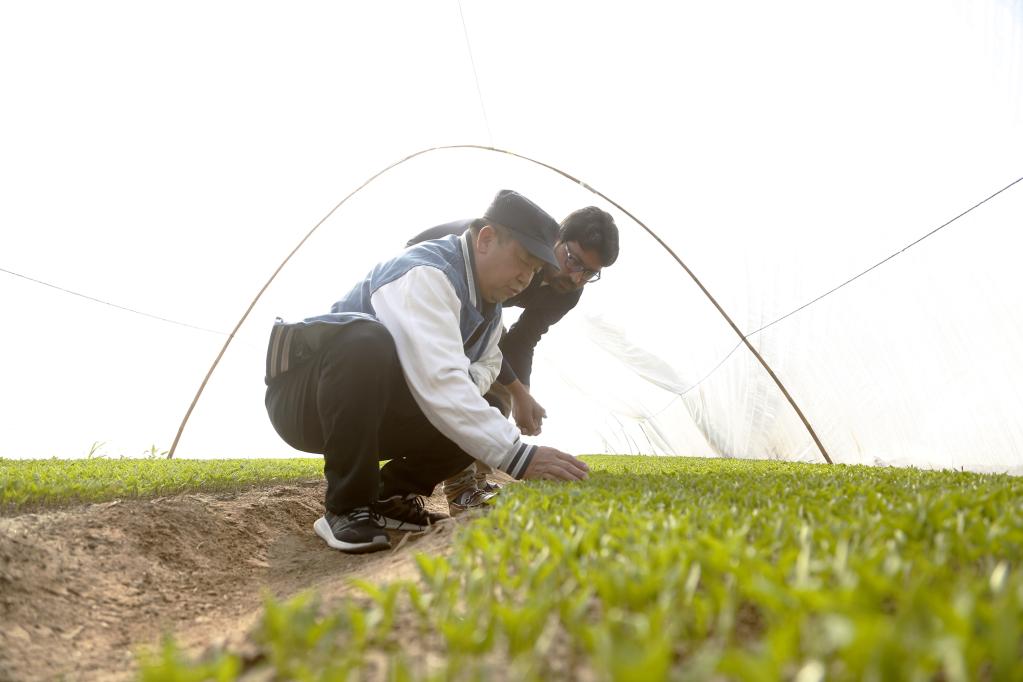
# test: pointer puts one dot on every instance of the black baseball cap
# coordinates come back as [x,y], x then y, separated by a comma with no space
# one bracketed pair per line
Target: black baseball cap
[531,226]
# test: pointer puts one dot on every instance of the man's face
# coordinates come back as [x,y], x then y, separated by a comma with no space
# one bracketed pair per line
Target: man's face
[503,268]
[578,266]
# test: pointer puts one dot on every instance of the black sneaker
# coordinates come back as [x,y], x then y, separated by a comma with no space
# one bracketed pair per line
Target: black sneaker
[360,530]
[406,513]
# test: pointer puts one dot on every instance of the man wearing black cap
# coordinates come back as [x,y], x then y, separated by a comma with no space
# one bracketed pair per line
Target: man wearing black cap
[587,242]
[397,371]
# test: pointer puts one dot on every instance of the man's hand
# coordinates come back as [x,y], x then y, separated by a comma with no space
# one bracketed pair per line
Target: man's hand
[554,465]
[528,414]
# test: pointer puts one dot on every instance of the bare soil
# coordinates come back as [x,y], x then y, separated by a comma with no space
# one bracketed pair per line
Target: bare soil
[83,589]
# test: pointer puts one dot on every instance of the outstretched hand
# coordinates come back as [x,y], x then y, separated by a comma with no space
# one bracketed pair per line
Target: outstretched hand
[528,414]
[554,465]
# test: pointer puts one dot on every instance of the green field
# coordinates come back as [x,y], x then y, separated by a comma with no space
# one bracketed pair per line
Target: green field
[30,484]
[688,569]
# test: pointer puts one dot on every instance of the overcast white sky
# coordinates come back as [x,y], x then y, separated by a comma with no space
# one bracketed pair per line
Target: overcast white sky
[167,157]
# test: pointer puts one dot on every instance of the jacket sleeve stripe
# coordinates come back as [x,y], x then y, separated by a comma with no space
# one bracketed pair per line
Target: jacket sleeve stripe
[515,460]
[522,460]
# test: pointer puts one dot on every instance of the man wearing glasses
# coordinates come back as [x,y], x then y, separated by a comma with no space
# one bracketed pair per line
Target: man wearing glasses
[587,242]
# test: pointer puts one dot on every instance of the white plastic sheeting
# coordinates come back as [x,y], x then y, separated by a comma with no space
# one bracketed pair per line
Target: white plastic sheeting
[168,161]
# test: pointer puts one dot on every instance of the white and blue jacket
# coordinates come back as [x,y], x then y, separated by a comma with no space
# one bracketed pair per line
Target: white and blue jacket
[446,337]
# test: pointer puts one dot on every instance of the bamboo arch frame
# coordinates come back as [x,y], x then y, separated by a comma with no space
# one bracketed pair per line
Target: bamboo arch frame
[421,152]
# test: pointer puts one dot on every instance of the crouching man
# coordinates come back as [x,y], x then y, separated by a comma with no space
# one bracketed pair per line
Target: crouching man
[397,371]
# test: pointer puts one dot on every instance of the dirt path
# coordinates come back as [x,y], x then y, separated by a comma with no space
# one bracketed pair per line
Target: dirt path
[82,589]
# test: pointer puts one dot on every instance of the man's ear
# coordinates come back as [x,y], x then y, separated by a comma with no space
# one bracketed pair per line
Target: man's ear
[486,239]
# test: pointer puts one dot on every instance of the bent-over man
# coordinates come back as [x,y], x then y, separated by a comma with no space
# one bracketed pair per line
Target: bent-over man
[397,370]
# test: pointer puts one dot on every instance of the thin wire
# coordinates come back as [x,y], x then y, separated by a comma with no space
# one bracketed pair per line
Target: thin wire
[882,262]
[713,371]
[472,60]
[112,305]
[686,391]
[849,281]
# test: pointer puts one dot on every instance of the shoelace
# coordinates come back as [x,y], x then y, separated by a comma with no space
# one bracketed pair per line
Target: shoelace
[359,514]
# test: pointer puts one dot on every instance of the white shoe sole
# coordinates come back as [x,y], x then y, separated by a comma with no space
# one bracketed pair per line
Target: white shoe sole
[379,542]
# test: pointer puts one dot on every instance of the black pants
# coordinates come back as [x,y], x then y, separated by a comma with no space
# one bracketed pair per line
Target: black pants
[350,402]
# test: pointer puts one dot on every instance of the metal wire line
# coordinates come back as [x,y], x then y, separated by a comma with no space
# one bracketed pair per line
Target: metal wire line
[882,262]
[828,293]
[112,305]
[475,75]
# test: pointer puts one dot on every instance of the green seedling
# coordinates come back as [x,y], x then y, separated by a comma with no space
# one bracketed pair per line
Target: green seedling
[693,569]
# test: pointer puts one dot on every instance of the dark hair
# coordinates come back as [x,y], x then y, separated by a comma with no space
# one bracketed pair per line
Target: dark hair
[594,230]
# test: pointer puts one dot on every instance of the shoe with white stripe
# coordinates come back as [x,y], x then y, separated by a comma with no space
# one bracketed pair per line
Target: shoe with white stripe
[406,512]
[358,531]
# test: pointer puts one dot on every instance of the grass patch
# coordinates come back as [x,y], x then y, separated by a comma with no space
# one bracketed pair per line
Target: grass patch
[29,484]
[675,568]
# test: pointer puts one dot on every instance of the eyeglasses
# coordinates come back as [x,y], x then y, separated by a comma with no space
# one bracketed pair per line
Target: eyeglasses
[574,264]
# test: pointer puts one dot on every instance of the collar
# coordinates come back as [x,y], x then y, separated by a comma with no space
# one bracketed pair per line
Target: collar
[475,296]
